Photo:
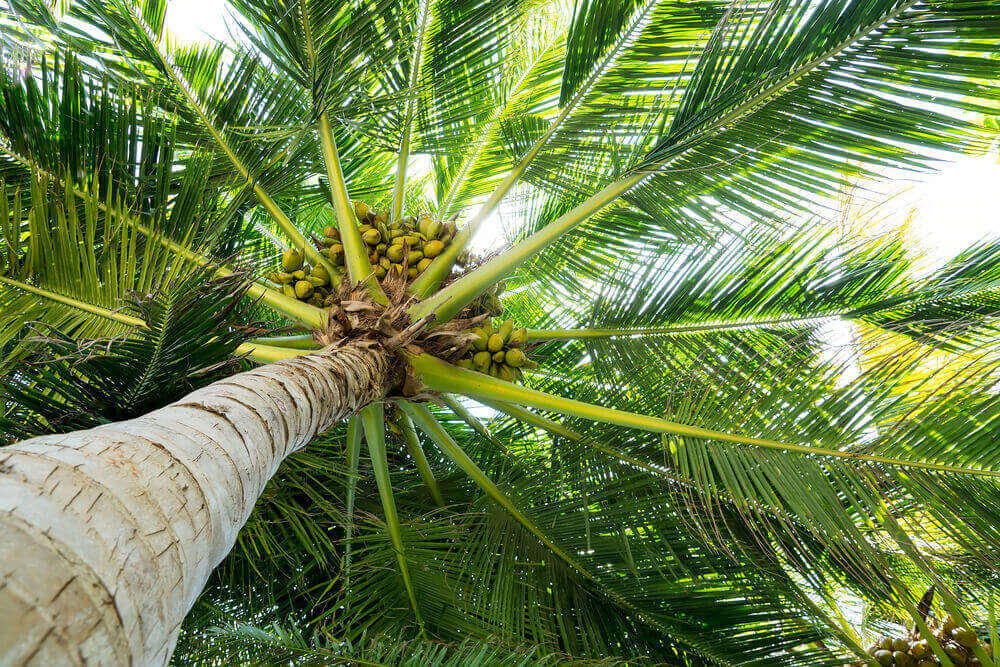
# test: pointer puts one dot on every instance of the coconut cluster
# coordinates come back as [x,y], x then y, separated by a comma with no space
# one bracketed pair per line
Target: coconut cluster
[312,284]
[405,247]
[958,644]
[498,351]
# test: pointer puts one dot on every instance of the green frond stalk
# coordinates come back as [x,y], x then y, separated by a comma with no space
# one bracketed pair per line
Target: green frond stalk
[443,377]
[427,423]
[296,342]
[263,354]
[473,422]
[554,427]
[354,433]
[268,354]
[412,443]
[299,312]
[280,218]
[456,296]
[359,269]
[430,279]
[373,420]
[536,335]
[406,137]
[121,318]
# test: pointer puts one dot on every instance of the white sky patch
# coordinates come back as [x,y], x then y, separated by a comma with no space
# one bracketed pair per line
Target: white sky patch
[191,21]
[958,206]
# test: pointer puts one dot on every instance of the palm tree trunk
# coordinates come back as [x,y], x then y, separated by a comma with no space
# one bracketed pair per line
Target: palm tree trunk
[108,535]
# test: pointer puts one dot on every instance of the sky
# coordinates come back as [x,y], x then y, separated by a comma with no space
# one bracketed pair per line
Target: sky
[948,211]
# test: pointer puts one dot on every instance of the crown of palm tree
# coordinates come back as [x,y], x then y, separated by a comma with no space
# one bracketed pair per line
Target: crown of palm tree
[687,477]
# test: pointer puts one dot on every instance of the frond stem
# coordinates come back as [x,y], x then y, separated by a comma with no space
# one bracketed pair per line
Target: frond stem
[279,216]
[443,377]
[412,442]
[355,250]
[403,157]
[373,420]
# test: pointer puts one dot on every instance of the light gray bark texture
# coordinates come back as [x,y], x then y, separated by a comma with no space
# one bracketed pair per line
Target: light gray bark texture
[108,535]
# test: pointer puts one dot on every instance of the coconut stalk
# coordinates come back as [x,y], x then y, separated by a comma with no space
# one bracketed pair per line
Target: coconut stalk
[359,269]
[373,420]
[443,377]
[412,442]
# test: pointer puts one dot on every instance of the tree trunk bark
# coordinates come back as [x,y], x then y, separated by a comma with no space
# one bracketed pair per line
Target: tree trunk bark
[108,535]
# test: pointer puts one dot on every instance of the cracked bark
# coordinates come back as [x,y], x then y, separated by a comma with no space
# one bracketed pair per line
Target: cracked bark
[108,535]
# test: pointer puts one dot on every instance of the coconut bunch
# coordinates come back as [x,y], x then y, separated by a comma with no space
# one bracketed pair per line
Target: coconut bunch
[499,351]
[406,246]
[301,281]
[957,642]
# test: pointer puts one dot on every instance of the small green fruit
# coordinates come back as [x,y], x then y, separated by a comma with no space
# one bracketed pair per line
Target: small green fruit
[433,248]
[423,264]
[331,232]
[965,637]
[361,210]
[883,657]
[303,289]
[291,260]
[518,338]
[505,330]
[380,272]
[371,237]
[299,275]
[285,278]
[515,357]
[395,253]
[498,357]
[903,659]
[506,373]
[319,271]
[412,272]
[415,257]
[465,363]
[495,343]
[482,359]
[288,290]
[479,343]
[899,644]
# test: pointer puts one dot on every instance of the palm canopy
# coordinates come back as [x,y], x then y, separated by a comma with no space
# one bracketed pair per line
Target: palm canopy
[687,477]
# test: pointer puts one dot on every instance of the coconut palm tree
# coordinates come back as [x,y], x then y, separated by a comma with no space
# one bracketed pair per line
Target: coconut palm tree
[621,437]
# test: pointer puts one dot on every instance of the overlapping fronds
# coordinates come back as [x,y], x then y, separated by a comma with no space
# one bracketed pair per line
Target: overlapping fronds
[666,166]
